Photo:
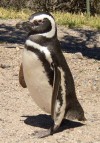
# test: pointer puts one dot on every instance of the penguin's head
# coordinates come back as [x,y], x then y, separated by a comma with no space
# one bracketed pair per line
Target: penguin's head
[41,23]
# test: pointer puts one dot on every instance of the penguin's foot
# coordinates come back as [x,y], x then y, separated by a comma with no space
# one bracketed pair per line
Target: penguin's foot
[43,134]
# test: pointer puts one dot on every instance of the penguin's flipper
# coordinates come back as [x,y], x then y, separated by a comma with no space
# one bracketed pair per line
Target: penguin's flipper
[56,85]
[57,112]
[21,77]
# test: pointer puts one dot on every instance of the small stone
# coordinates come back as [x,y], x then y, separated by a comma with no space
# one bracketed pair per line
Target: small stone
[15,74]
[3,66]
[79,55]
[1,119]
[17,48]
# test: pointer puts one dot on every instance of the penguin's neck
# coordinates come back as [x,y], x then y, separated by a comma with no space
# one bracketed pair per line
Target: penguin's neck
[49,34]
[41,40]
[38,47]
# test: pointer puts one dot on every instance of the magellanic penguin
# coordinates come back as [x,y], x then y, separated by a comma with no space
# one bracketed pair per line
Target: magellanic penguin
[44,71]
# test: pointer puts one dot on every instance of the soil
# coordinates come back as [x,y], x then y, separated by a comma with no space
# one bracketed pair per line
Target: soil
[20,117]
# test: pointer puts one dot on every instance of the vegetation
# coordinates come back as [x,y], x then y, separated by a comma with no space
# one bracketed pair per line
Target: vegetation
[62,18]
[74,6]
[77,20]
[14,14]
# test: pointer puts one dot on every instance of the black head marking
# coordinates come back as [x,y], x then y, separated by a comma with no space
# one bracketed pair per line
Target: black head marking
[41,23]
[40,26]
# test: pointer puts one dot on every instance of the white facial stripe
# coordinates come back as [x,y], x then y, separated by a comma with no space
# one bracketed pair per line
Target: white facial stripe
[41,48]
[51,33]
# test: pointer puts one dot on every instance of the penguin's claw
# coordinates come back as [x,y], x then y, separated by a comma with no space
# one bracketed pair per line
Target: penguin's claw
[43,134]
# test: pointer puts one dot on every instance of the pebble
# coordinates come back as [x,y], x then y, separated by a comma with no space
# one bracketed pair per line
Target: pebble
[79,55]
[3,66]
[17,48]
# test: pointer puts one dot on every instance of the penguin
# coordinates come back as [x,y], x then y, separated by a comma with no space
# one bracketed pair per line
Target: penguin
[45,72]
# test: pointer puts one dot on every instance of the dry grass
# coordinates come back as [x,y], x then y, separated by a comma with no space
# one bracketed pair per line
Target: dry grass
[68,19]
[77,20]
[13,14]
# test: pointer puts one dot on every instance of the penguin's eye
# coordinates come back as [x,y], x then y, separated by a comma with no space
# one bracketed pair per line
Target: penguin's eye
[36,22]
[40,21]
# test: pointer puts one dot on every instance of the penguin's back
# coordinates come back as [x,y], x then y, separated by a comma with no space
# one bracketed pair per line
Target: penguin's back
[37,80]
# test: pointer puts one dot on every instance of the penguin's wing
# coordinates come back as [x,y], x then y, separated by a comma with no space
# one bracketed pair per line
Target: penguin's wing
[21,77]
[56,85]
[58,104]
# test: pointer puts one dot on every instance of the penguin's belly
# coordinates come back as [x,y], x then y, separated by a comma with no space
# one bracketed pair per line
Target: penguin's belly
[37,81]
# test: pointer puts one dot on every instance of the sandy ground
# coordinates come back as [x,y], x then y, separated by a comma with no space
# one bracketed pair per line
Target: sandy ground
[20,117]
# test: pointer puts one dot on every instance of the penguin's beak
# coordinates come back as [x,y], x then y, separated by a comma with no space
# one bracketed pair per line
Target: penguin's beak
[27,26]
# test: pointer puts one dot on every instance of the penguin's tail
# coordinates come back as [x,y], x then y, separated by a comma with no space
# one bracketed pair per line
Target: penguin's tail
[75,111]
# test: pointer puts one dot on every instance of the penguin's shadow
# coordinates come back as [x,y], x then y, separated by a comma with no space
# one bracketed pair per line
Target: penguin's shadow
[45,121]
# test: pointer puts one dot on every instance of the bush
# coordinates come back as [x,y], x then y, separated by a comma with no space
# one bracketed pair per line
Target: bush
[73,6]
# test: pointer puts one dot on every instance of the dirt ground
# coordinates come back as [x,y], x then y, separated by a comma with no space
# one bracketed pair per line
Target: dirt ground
[20,117]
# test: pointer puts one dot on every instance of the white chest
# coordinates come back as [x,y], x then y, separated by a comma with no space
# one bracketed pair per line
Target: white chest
[36,80]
